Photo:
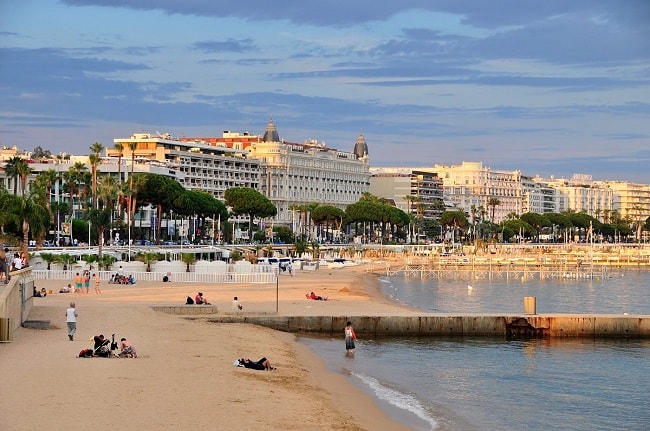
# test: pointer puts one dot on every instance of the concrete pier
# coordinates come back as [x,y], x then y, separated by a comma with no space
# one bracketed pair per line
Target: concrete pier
[523,326]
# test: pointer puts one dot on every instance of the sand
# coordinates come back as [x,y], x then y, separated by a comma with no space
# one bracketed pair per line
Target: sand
[184,378]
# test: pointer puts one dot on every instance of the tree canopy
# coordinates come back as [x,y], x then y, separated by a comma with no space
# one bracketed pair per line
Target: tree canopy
[250,202]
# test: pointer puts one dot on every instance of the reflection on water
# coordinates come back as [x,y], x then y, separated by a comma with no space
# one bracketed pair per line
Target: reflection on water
[620,293]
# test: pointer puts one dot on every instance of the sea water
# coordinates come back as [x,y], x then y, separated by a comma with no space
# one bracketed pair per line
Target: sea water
[495,384]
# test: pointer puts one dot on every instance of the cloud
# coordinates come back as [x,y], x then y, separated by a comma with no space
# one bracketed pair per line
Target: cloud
[229,45]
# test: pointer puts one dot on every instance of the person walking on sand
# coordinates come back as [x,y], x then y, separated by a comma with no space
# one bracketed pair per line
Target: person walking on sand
[97,282]
[71,319]
[350,336]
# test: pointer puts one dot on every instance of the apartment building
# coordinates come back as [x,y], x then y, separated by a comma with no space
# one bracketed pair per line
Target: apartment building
[538,197]
[581,194]
[631,200]
[212,167]
[414,190]
[470,184]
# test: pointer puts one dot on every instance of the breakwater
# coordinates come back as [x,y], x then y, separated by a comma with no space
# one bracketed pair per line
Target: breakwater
[515,326]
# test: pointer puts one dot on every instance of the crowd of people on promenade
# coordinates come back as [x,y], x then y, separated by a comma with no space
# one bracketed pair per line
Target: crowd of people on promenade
[11,262]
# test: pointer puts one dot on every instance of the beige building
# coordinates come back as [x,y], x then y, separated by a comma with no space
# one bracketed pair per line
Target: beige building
[581,194]
[631,200]
[294,174]
[470,184]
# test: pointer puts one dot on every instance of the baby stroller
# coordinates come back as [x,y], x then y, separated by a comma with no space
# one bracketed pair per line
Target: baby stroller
[103,346]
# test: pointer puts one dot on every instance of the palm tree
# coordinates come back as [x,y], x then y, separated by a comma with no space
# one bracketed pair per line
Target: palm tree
[12,170]
[147,257]
[67,259]
[86,180]
[31,214]
[107,191]
[105,261]
[189,259]
[90,259]
[73,178]
[95,159]
[408,199]
[131,210]
[49,258]
[493,203]
[21,169]
[120,152]
[100,220]
[48,178]
[6,215]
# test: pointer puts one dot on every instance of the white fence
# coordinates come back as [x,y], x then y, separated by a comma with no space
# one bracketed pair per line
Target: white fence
[230,277]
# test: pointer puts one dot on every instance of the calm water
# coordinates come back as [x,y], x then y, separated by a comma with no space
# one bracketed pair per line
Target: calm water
[493,384]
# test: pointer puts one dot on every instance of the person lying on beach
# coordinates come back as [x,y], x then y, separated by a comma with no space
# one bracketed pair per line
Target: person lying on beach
[315,297]
[262,364]
[66,289]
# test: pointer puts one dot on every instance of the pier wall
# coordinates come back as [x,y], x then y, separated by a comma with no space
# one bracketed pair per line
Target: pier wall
[529,326]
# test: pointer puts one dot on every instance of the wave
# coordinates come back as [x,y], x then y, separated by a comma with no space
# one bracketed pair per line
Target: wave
[398,399]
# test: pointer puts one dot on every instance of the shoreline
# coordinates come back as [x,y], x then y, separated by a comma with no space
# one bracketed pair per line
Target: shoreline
[185,355]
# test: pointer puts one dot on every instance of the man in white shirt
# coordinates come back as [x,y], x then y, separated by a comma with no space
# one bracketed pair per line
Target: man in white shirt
[17,262]
[71,319]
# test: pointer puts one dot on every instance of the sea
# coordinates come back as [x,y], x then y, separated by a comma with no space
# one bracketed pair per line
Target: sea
[467,384]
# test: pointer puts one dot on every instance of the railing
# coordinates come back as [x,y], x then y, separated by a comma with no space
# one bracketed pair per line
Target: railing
[185,277]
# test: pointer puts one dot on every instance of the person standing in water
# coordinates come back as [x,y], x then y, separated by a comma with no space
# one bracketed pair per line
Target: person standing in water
[350,336]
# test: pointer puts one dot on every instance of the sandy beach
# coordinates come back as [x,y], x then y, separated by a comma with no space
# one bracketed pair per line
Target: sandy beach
[184,377]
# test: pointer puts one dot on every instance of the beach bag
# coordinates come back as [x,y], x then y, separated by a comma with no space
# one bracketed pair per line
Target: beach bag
[86,353]
[189,301]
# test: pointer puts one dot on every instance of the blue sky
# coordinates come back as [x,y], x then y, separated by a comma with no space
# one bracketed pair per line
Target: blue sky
[549,87]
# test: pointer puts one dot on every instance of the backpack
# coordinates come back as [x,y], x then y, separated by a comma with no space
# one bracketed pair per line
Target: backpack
[189,301]
[86,353]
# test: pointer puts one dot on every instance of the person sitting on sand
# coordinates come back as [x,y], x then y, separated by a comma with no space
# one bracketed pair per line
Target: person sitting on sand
[315,297]
[236,305]
[66,289]
[101,346]
[200,300]
[127,350]
[262,364]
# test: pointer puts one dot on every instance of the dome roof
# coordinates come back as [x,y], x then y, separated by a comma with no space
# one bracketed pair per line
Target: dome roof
[271,134]
[361,148]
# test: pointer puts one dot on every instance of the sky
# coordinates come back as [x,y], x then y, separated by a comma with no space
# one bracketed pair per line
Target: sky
[550,88]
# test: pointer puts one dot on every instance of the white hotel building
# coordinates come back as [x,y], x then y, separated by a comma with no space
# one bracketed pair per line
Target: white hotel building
[196,164]
[292,175]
